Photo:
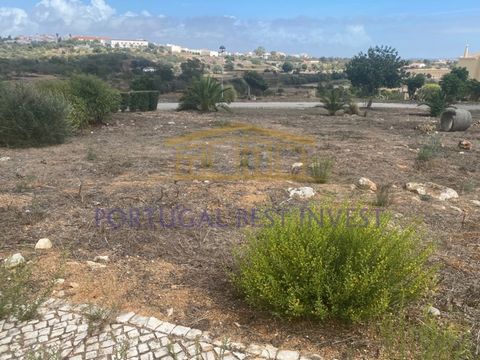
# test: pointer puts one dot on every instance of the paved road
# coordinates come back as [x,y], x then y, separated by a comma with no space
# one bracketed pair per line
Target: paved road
[305,105]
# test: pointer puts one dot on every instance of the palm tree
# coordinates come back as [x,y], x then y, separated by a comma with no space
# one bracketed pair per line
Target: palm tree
[205,94]
[333,101]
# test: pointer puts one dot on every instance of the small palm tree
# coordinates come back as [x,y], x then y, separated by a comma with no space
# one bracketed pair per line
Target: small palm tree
[437,102]
[205,94]
[333,101]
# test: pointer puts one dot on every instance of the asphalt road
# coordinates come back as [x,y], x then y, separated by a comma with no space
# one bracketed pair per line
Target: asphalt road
[305,105]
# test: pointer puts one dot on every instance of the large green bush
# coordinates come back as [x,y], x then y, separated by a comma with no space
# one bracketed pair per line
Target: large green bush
[29,117]
[100,99]
[338,269]
[78,114]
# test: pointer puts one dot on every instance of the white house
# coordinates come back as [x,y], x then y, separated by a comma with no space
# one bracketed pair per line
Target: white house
[124,44]
[174,49]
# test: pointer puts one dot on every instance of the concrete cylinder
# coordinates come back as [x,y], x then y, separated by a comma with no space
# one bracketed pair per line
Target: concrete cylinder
[455,120]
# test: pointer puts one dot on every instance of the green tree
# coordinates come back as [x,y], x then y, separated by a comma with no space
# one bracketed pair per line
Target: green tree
[380,67]
[414,83]
[461,73]
[473,89]
[454,84]
[255,81]
[192,68]
[260,51]
[453,87]
[287,67]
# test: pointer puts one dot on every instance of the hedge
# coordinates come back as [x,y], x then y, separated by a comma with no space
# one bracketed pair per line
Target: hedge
[139,101]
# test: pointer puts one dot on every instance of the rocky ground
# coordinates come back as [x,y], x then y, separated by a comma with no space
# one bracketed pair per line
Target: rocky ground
[78,194]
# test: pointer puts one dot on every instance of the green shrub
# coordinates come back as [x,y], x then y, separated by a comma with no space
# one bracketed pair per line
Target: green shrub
[78,113]
[430,150]
[320,170]
[139,101]
[20,295]
[299,267]
[124,101]
[424,339]
[205,94]
[100,99]
[29,117]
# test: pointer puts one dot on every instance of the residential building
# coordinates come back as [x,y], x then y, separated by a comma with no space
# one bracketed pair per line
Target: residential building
[127,44]
[174,49]
[102,40]
[471,62]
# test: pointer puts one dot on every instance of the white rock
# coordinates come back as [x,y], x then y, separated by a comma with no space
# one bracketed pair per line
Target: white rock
[101,258]
[171,123]
[59,281]
[296,168]
[433,311]
[302,193]
[475,202]
[367,184]
[43,244]
[95,266]
[5,158]
[14,260]
[436,191]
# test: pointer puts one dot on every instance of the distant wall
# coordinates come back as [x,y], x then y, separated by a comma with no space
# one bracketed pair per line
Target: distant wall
[472,65]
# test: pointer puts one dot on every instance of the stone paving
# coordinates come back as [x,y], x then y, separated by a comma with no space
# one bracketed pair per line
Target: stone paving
[63,331]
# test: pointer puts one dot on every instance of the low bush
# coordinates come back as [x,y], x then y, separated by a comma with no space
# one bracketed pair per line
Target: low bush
[320,170]
[29,117]
[100,99]
[430,150]
[333,265]
[20,294]
[405,337]
[139,101]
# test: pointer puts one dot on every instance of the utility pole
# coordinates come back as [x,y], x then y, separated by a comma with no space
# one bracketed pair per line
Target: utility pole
[222,51]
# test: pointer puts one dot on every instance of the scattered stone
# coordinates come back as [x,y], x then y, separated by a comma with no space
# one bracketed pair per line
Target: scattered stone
[465,145]
[14,260]
[95,266]
[367,184]
[433,190]
[103,259]
[43,244]
[59,281]
[302,193]
[433,311]
[475,202]
[288,355]
[4,158]
[296,168]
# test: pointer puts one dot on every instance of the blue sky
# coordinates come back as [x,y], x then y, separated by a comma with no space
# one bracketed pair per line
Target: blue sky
[425,29]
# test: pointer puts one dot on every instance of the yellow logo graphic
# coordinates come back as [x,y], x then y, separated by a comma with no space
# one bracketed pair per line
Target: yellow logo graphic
[240,151]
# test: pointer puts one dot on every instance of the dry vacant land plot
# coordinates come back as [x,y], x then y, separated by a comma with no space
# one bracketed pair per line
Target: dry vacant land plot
[210,162]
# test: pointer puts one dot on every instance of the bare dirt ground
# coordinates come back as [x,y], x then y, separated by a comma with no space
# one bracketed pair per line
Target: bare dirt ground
[179,273]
